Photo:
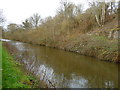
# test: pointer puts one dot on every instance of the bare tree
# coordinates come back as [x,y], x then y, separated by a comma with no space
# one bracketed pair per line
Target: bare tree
[99,10]
[78,9]
[35,20]
[27,25]
[118,17]
[68,11]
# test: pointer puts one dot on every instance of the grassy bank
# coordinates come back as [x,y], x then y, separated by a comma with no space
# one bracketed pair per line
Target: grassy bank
[13,76]
[0,65]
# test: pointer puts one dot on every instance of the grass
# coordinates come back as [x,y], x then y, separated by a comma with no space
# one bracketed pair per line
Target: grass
[114,29]
[13,76]
[0,65]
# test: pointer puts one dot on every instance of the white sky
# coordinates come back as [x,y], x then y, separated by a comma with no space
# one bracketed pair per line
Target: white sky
[15,11]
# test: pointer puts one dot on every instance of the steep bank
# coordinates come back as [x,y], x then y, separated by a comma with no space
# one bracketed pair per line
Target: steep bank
[101,43]
[99,47]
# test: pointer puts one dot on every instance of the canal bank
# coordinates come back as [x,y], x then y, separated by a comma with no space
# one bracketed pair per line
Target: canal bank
[99,47]
[13,75]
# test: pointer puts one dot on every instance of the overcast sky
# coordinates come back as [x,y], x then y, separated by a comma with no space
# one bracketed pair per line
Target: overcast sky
[16,11]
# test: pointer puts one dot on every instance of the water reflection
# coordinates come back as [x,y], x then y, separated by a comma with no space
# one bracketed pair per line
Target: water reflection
[64,69]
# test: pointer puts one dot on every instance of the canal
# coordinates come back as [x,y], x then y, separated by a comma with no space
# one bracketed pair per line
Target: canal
[62,69]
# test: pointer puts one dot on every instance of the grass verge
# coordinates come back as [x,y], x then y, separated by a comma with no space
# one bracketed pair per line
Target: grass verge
[0,65]
[13,77]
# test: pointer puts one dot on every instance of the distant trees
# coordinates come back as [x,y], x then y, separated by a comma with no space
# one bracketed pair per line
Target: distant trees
[70,17]
[2,19]
[12,27]
[35,20]
[27,24]
[1,29]
[32,22]
[68,12]
[67,9]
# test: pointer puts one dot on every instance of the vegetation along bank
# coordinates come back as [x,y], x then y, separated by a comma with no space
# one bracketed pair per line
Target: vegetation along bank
[13,75]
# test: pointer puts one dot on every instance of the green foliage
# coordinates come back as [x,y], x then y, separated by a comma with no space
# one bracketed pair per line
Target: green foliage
[0,65]
[13,77]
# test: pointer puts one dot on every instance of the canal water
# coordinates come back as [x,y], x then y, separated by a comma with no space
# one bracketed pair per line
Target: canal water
[61,69]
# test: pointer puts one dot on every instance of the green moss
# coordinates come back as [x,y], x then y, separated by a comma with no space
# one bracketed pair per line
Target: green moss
[100,38]
[114,29]
[13,77]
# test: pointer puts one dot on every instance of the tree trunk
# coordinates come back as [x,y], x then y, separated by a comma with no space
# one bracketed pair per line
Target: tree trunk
[97,19]
[103,14]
